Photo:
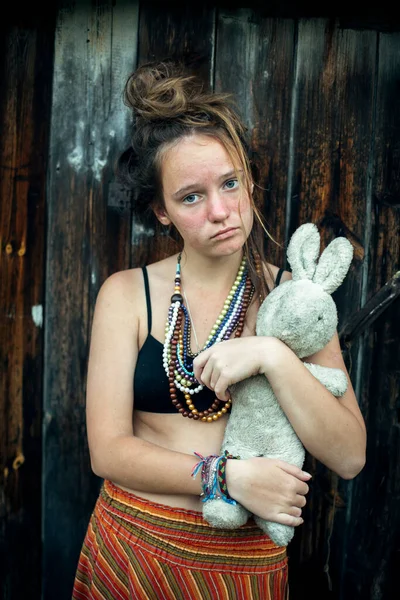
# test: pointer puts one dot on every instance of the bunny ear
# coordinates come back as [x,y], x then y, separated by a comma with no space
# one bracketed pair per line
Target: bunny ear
[334,264]
[303,251]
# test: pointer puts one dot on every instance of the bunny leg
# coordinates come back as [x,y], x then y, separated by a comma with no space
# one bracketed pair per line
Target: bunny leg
[334,380]
[223,515]
[279,534]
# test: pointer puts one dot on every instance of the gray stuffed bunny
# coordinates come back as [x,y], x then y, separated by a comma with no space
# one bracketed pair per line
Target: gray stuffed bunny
[301,313]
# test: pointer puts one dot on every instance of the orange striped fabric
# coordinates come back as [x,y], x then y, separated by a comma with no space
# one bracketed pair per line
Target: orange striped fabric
[141,550]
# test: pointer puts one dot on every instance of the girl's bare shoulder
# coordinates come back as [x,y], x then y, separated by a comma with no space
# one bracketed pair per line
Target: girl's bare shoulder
[274,270]
[122,287]
[163,270]
[128,284]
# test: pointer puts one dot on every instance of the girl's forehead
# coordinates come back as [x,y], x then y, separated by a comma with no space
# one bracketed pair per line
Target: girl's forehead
[202,149]
[193,158]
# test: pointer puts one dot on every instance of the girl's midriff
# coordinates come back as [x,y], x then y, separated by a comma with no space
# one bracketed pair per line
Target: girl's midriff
[176,433]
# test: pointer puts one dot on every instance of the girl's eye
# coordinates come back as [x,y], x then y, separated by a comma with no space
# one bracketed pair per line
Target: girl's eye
[191,199]
[232,184]
[232,187]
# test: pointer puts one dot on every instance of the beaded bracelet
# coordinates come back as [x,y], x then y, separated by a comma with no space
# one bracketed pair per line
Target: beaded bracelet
[213,476]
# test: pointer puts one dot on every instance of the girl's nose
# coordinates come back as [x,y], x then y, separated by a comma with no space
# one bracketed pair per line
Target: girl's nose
[218,207]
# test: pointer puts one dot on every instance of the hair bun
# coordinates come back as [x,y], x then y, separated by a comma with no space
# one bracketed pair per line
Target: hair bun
[162,90]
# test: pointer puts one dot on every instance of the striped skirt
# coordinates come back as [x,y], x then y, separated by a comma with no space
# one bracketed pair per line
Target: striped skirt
[138,549]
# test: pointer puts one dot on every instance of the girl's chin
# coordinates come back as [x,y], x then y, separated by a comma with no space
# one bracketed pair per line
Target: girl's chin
[228,247]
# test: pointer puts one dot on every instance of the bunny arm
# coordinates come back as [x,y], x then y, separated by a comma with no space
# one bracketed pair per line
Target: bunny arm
[236,441]
[334,380]
[270,435]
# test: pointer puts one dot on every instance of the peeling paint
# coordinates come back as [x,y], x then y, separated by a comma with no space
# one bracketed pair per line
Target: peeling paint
[139,231]
[75,158]
[37,315]
[93,74]
[99,165]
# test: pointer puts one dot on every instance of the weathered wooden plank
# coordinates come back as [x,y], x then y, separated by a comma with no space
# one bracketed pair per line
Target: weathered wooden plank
[254,61]
[334,81]
[26,59]
[184,33]
[332,131]
[95,50]
[372,549]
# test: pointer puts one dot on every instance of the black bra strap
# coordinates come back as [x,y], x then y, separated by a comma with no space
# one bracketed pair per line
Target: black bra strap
[148,302]
[278,277]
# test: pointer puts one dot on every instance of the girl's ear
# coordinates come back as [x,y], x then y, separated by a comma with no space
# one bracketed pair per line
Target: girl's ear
[161,215]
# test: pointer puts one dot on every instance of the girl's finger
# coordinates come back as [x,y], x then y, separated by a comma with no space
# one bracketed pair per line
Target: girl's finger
[201,360]
[221,389]
[206,375]
[197,369]
[300,501]
[293,470]
[294,511]
[286,519]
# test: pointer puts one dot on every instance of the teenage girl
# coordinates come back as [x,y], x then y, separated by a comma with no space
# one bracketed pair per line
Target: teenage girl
[167,342]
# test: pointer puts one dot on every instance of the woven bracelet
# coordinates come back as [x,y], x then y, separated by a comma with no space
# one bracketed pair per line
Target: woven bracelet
[213,476]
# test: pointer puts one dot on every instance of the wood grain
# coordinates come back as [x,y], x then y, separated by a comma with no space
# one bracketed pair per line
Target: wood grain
[26,54]
[332,135]
[373,523]
[254,61]
[95,51]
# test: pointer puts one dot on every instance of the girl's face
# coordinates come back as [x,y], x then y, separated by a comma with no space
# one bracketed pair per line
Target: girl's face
[203,198]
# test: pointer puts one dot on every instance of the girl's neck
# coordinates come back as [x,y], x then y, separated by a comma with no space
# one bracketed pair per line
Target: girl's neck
[205,272]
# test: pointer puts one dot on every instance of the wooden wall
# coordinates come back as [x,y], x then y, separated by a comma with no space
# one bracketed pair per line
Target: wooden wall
[320,98]
[25,102]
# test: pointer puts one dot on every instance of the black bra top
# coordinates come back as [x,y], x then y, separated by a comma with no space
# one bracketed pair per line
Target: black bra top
[150,383]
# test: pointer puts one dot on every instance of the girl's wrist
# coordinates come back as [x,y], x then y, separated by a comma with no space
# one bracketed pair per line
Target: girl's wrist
[213,473]
[236,477]
[273,355]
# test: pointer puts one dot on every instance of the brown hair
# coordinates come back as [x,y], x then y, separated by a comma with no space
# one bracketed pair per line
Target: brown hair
[168,104]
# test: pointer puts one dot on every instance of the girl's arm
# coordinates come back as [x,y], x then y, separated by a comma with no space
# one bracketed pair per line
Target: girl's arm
[331,429]
[115,452]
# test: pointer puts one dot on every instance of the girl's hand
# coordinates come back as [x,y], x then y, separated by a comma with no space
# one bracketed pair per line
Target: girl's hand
[269,488]
[231,361]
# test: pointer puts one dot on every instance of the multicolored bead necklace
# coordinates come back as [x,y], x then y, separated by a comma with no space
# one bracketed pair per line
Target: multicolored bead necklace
[177,354]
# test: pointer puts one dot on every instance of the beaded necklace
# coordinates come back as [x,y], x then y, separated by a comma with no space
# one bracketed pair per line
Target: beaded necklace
[177,354]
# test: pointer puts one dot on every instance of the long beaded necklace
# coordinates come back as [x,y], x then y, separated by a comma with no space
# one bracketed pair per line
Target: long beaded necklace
[177,354]
[191,321]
